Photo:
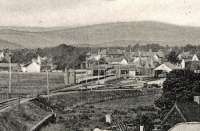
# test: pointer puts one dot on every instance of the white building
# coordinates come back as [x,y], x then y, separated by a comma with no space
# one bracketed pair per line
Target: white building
[2,55]
[165,68]
[32,67]
[118,61]
[195,58]
[183,64]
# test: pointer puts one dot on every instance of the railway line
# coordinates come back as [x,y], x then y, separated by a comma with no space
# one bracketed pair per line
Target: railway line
[9,102]
[13,101]
[80,88]
[90,88]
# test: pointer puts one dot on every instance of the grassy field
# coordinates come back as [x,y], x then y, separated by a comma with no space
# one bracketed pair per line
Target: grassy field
[31,83]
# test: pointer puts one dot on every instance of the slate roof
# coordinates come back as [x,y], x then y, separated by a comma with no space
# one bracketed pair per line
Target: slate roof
[170,65]
[185,55]
[146,62]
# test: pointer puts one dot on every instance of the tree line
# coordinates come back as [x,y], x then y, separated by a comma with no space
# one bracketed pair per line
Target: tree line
[63,56]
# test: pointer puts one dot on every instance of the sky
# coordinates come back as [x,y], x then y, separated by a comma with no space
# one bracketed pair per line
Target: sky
[47,13]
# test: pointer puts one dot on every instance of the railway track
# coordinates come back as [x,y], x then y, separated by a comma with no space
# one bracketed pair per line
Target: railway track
[9,102]
[14,101]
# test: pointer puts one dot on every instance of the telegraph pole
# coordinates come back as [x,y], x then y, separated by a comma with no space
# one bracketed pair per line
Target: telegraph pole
[86,78]
[47,84]
[98,72]
[10,74]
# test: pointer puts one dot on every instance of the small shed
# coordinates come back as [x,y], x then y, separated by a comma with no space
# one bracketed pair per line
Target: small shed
[164,68]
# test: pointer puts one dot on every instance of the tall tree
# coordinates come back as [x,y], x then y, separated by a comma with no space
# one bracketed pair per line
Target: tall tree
[180,85]
[173,57]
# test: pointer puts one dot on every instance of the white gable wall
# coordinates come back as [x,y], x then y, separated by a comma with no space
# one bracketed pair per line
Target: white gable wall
[183,64]
[156,58]
[163,67]
[124,62]
[33,67]
[195,58]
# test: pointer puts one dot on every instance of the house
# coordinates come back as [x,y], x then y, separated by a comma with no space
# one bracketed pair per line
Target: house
[193,66]
[2,56]
[102,52]
[195,58]
[164,68]
[39,64]
[125,71]
[184,55]
[117,61]
[146,58]
[92,60]
[182,64]
[94,57]
[187,56]
[102,69]
[181,112]
[161,54]
[144,65]
[31,67]
[156,56]
[132,72]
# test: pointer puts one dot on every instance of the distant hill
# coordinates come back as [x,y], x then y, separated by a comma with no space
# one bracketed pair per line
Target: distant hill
[6,44]
[110,34]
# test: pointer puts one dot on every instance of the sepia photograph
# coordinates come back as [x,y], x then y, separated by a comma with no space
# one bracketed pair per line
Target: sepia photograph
[100,65]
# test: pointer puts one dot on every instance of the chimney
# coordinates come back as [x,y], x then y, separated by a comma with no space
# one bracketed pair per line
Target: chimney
[197,99]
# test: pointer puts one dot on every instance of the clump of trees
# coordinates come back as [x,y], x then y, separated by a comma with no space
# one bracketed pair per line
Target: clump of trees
[23,55]
[173,57]
[153,46]
[181,86]
[64,56]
